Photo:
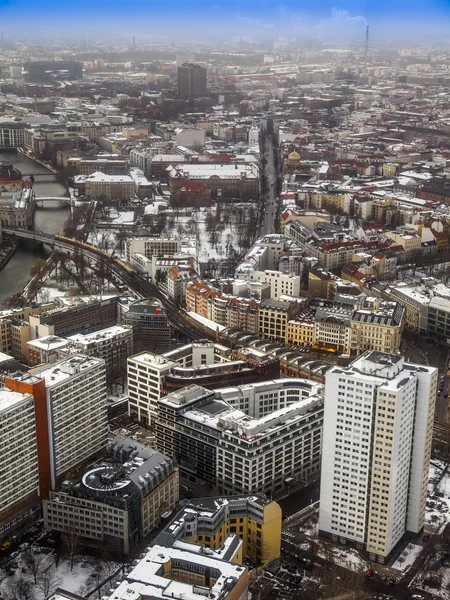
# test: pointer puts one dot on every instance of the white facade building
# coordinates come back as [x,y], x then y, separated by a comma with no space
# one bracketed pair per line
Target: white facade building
[377,436]
[152,246]
[18,460]
[146,373]
[76,409]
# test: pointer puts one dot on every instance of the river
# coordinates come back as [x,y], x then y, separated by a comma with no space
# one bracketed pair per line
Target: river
[49,218]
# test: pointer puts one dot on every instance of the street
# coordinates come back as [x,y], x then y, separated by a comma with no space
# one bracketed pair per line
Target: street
[300,499]
[269,190]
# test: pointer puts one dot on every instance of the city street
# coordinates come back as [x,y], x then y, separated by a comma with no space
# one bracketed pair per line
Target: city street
[300,499]
[269,190]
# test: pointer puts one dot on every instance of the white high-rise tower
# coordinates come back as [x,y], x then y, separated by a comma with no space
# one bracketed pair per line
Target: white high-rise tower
[378,425]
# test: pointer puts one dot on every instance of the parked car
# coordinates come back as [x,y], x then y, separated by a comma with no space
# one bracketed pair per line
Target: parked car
[6,544]
[369,573]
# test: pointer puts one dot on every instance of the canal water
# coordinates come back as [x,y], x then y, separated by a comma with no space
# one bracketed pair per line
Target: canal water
[49,218]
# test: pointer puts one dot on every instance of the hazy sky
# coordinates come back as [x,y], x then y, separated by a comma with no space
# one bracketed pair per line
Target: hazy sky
[261,18]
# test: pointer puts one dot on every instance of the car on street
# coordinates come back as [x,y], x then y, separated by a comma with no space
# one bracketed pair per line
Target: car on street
[369,573]
[5,545]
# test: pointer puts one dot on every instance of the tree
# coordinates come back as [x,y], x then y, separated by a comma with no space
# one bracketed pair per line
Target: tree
[48,580]
[36,562]
[71,541]
[38,266]
[17,588]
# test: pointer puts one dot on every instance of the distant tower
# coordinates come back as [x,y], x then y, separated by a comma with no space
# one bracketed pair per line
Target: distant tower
[134,43]
[366,51]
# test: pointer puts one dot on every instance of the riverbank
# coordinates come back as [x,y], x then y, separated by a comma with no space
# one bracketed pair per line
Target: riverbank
[7,250]
[49,218]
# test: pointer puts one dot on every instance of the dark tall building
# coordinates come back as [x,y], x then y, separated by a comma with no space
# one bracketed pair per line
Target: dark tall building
[191,80]
[151,331]
[51,70]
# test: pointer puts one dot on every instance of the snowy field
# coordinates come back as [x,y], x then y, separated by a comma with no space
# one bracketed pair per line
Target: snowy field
[42,574]
[407,557]
[438,503]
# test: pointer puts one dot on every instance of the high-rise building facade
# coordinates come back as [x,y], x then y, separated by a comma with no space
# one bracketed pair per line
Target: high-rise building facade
[377,435]
[70,398]
[151,330]
[191,80]
[19,492]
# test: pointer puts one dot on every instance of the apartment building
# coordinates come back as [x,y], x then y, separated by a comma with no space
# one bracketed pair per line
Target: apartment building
[119,501]
[242,440]
[74,393]
[273,318]
[223,309]
[151,246]
[19,492]
[211,522]
[377,435]
[114,345]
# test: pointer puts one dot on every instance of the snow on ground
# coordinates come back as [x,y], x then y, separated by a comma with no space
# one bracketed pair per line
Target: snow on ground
[72,581]
[227,238]
[310,528]
[407,557]
[47,294]
[438,508]
[344,557]
[437,583]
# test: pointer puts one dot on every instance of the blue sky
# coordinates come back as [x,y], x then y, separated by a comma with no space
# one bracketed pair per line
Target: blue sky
[322,18]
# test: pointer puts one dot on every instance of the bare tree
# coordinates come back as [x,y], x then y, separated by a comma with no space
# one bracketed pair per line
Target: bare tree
[17,588]
[71,541]
[36,562]
[48,580]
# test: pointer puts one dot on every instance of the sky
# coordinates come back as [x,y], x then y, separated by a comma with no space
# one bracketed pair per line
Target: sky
[325,19]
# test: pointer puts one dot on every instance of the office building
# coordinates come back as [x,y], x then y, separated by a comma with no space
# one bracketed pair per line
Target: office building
[186,571]
[71,396]
[146,373]
[151,330]
[119,501]
[191,80]
[256,438]
[114,187]
[45,350]
[213,521]
[19,492]
[377,435]
[84,314]
[51,70]
[151,376]
[113,345]
[151,246]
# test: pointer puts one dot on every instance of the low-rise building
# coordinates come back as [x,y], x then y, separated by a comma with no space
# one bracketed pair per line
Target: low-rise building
[212,521]
[273,318]
[114,187]
[118,501]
